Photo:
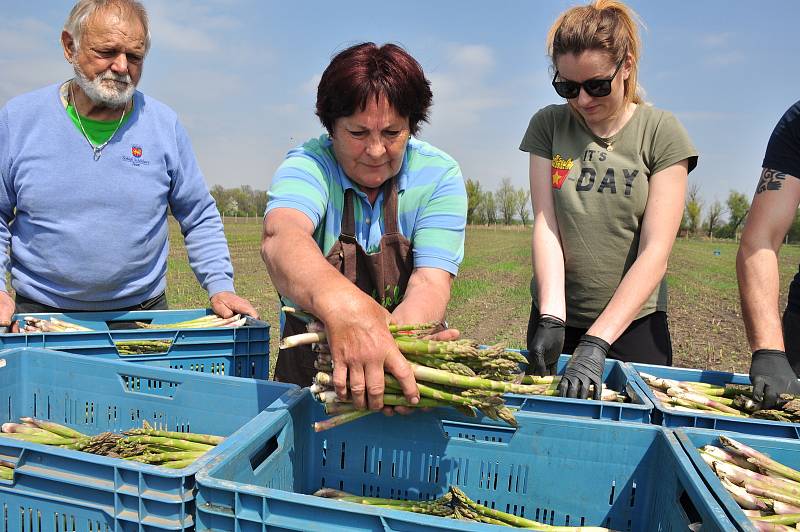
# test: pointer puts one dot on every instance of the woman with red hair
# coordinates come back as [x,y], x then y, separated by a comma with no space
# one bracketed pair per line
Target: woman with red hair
[364,225]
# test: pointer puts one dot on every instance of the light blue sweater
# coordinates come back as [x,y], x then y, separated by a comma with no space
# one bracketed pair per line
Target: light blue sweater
[93,235]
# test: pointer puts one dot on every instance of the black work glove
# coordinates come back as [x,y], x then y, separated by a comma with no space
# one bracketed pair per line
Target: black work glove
[771,375]
[585,368]
[546,345]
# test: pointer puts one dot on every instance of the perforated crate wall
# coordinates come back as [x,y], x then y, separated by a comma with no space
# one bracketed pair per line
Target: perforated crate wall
[556,469]
[56,489]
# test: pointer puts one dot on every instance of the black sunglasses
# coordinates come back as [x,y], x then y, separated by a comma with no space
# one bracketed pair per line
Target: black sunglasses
[596,88]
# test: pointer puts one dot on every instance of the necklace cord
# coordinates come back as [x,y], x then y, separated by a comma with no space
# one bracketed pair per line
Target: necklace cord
[97,150]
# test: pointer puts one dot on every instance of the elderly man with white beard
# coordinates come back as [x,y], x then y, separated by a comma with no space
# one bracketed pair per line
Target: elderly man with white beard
[89,170]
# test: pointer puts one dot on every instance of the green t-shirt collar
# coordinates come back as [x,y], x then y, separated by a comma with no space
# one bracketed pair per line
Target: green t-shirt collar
[98,131]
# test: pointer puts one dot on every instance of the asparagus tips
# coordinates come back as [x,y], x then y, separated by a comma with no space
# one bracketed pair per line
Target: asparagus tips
[17,428]
[742,497]
[207,439]
[171,442]
[53,427]
[759,459]
[330,493]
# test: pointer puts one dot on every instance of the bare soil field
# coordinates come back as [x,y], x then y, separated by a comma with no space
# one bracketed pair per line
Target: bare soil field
[490,297]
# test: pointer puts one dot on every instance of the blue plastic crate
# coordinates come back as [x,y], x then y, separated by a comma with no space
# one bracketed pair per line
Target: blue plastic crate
[783,450]
[237,352]
[669,417]
[57,489]
[555,469]
[639,410]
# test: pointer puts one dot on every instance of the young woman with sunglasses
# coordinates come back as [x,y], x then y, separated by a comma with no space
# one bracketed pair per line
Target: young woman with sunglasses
[608,176]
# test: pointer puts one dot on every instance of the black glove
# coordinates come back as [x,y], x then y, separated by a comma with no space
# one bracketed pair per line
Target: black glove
[546,345]
[585,368]
[771,375]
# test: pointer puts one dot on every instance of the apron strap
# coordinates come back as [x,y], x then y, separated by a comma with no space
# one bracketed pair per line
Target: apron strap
[348,216]
[390,223]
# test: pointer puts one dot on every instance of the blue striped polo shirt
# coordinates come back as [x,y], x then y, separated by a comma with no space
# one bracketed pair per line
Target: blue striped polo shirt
[432,201]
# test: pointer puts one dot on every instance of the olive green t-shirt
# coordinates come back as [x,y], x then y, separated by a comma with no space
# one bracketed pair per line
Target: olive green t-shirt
[600,196]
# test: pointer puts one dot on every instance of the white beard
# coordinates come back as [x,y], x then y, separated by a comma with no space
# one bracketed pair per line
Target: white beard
[104,93]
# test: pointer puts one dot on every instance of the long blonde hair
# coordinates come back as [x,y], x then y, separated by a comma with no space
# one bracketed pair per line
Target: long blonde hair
[605,25]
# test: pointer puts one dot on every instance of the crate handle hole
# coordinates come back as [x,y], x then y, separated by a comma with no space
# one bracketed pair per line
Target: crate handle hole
[122,325]
[264,452]
[689,508]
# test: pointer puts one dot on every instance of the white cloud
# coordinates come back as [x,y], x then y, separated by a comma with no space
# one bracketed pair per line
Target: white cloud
[474,58]
[723,59]
[462,88]
[716,40]
[720,50]
[310,85]
[30,57]
[703,116]
[198,35]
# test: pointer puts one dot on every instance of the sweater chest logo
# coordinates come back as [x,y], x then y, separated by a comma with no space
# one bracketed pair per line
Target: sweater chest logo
[135,158]
[560,167]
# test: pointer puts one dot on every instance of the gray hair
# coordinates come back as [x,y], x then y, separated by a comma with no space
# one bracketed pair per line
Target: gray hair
[83,9]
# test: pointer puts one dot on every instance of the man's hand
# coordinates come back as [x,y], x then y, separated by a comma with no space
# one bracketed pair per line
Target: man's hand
[546,346]
[362,348]
[226,304]
[585,369]
[7,308]
[771,375]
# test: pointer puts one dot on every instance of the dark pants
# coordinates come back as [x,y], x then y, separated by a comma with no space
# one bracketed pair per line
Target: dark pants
[791,338]
[646,340]
[29,306]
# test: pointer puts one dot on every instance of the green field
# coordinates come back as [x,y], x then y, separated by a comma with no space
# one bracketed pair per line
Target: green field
[490,300]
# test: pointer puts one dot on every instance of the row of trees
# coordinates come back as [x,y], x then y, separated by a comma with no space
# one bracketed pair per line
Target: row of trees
[510,205]
[505,205]
[242,201]
[723,220]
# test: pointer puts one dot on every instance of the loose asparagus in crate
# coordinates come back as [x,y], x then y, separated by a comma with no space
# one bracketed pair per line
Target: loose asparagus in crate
[768,490]
[33,324]
[730,400]
[142,347]
[454,504]
[146,445]
[203,322]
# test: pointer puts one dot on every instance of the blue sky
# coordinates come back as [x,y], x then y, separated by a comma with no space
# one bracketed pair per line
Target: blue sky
[242,74]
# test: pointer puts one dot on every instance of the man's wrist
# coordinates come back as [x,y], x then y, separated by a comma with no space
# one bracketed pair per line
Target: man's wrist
[216,287]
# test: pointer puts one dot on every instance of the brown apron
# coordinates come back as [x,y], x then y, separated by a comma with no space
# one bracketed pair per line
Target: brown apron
[384,275]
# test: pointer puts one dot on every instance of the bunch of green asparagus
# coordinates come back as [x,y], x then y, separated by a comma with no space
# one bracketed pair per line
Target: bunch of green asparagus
[458,374]
[175,450]
[142,347]
[730,400]
[454,504]
[767,491]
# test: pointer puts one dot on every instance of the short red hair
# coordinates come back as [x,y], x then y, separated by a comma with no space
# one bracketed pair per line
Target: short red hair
[366,70]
